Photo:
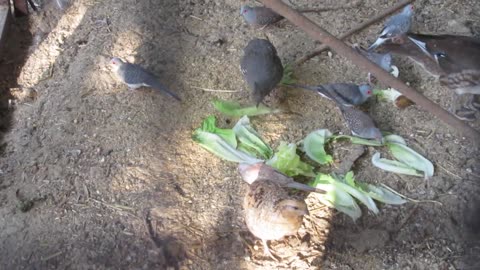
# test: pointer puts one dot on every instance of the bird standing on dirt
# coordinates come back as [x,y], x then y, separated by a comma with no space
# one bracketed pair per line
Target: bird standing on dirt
[270,213]
[348,94]
[261,171]
[135,76]
[383,60]
[396,25]
[261,68]
[259,16]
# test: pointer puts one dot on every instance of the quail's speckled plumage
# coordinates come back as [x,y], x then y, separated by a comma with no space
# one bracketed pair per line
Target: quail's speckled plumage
[135,76]
[270,213]
[348,94]
[261,171]
[261,68]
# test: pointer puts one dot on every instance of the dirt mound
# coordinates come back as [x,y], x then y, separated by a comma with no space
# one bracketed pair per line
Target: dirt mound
[94,176]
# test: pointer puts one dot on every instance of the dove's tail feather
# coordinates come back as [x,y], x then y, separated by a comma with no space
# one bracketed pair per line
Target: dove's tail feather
[377,43]
[304,187]
[155,84]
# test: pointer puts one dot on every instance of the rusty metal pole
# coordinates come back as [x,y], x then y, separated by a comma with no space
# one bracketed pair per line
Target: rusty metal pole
[357,28]
[318,33]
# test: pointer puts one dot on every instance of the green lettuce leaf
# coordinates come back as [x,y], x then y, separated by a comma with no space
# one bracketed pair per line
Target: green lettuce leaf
[314,146]
[377,193]
[218,146]
[234,109]
[249,139]
[288,162]
[208,125]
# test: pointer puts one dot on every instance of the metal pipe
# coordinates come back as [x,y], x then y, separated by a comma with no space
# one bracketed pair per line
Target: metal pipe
[318,33]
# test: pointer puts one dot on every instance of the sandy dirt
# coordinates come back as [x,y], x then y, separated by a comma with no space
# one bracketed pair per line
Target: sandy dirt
[94,176]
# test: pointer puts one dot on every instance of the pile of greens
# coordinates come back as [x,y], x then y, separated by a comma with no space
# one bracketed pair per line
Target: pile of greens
[243,144]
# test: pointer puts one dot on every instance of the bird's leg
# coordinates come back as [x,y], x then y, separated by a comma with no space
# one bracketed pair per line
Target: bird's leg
[465,114]
[461,108]
[267,251]
[474,102]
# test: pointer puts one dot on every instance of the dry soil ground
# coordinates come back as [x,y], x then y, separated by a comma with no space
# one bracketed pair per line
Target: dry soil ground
[93,176]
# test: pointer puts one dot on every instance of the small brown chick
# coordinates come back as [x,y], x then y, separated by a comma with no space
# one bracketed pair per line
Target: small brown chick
[270,213]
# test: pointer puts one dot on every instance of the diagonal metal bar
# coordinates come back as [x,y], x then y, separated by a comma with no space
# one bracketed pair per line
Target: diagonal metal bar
[356,29]
[318,33]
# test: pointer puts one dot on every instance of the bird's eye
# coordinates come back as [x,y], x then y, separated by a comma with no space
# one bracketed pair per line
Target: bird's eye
[369,92]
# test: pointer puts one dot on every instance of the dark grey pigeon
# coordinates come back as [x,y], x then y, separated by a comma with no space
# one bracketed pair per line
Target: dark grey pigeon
[347,94]
[261,67]
[396,25]
[135,77]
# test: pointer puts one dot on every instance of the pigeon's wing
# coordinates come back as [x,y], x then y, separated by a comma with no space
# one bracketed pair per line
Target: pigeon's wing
[136,75]
[266,16]
[357,120]
[346,94]
[276,70]
[382,60]
[262,72]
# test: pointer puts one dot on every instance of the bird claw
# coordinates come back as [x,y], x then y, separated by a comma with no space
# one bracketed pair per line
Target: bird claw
[267,252]
[473,102]
[465,114]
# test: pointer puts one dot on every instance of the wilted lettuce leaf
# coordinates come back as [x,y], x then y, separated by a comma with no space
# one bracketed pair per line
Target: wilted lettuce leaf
[288,162]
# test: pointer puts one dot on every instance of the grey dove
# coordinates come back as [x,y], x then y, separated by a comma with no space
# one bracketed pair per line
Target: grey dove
[261,171]
[271,213]
[348,94]
[261,68]
[134,76]
[395,25]
[259,16]
[383,60]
